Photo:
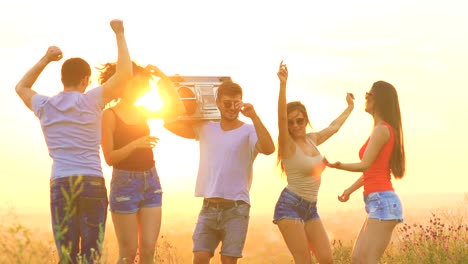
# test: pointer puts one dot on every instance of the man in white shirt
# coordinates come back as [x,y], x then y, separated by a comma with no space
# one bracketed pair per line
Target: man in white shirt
[71,124]
[227,151]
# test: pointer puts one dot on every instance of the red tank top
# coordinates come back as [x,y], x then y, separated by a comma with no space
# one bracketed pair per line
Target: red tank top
[139,159]
[377,177]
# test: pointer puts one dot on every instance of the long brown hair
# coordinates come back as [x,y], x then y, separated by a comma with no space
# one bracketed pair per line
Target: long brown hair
[387,106]
[290,107]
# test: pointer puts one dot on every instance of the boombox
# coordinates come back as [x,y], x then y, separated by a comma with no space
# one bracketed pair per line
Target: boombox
[198,93]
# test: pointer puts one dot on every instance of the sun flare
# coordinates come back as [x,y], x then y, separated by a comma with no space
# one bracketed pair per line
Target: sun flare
[151,100]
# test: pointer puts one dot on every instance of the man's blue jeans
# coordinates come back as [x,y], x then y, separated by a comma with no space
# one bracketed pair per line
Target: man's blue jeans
[78,207]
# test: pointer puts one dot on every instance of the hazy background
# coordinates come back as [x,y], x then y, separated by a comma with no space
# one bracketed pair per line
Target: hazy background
[330,47]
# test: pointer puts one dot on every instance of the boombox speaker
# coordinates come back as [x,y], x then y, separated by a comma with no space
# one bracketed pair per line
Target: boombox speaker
[198,93]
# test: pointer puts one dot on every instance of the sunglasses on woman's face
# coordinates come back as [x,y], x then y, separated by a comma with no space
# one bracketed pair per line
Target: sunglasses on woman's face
[299,121]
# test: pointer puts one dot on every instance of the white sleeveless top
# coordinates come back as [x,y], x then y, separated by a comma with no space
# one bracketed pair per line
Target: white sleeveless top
[299,172]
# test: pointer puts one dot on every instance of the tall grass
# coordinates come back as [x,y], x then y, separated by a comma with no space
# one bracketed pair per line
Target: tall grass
[441,237]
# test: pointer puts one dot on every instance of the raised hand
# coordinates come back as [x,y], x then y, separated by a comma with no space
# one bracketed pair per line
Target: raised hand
[145,142]
[246,109]
[54,53]
[283,72]
[117,26]
[350,99]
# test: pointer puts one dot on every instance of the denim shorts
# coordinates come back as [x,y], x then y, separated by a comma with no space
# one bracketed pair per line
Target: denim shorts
[294,207]
[384,206]
[227,225]
[133,190]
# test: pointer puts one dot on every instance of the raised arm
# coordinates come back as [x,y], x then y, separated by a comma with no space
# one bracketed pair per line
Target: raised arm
[124,68]
[380,136]
[172,104]
[285,146]
[24,86]
[323,135]
[112,155]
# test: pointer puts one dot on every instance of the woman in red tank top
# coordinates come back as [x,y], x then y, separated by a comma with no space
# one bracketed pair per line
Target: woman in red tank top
[135,193]
[383,154]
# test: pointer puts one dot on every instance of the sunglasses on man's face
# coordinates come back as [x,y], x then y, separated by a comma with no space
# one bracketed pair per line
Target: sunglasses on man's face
[229,103]
[299,121]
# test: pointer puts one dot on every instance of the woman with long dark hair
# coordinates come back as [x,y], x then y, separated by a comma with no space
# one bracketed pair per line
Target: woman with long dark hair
[383,154]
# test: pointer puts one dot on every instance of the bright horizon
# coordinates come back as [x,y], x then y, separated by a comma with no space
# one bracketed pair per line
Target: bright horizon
[417,46]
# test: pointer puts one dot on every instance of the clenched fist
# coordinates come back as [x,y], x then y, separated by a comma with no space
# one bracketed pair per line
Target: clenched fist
[117,26]
[53,53]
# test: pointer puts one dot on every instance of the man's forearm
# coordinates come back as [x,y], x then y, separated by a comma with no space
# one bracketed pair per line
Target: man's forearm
[264,138]
[31,76]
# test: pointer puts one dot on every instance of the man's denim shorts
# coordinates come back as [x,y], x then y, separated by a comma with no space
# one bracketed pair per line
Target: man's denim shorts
[133,190]
[293,207]
[227,224]
[384,206]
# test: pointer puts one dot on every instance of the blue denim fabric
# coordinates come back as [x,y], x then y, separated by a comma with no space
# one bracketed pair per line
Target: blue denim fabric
[226,225]
[292,206]
[78,207]
[132,190]
[384,206]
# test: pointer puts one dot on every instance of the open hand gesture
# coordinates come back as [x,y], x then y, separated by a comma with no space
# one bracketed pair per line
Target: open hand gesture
[350,99]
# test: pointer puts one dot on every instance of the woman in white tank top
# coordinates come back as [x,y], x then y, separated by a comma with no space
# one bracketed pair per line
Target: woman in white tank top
[296,210]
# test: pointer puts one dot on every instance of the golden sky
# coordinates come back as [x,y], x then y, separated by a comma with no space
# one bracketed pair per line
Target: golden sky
[330,47]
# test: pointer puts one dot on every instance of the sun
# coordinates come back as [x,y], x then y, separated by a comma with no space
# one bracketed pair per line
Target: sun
[151,100]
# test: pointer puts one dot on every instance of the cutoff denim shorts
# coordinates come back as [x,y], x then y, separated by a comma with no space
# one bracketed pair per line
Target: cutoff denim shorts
[294,207]
[132,190]
[384,206]
[226,225]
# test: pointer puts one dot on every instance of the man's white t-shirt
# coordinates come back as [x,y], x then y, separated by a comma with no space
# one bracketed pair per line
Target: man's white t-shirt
[226,161]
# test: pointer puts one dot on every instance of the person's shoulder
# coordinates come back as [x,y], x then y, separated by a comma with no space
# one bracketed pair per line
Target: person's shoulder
[248,126]
[383,129]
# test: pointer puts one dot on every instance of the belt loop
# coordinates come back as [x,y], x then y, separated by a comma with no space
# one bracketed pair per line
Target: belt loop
[235,204]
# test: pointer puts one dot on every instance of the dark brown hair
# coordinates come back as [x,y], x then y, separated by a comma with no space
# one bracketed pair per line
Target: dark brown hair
[74,70]
[291,107]
[387,106]
[228,88]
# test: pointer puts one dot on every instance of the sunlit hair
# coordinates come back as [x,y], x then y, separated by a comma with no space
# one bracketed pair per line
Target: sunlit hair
[108,69]
[291,107]
[228,88]
[74,70]
[387,106]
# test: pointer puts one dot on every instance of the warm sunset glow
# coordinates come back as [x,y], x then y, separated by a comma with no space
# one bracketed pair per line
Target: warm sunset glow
[151,100]
[418,46]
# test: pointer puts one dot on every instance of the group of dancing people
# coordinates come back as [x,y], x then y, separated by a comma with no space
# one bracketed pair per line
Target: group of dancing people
[77,124]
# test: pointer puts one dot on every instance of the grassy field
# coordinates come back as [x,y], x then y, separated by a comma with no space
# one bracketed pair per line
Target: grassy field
[438,235]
